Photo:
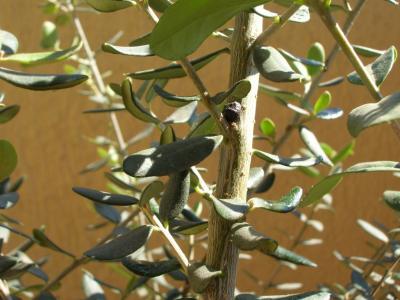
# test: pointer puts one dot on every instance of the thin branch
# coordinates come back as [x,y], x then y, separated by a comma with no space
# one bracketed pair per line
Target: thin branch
[96,73]
[388,272]
[282,20]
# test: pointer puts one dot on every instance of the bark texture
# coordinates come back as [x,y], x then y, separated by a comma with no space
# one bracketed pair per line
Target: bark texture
[235,159]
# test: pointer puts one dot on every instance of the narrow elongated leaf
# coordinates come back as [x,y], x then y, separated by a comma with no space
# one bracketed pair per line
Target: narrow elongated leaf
[91,288]
[170,158]
[327,184]
[8,113]
[143,50]
[392,198]
[302,15]
[293,107]
[8,200]
[370,114]
[186,24]
[188,227]
[200,276]
[41,82]
[344,153]
[373,230]
[110,5]
[182,114]
[313,145]
[173,100]
[317,53]
[323,102]
[245,237]
[133,105]
[206,126]
[239,90]
[175,70]
[30,59]
[281,94]
[8,159]
[122,245]
[331,82]
[273,66]
[379,69]
[105,198]
[175,196]
[150,269]
[42,239]
[230,209]
[330,113]
[285,204]
[268,127]
[282,253]
[367,52]
[304,296]
[8,42]
[264,184]
[49,35]
[289,162]
[108,212]
[153,190]
[159,5]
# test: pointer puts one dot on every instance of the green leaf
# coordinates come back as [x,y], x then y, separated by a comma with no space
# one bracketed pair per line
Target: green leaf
[200,276]
[188,227]
[108,212]
[49,35]
[331,82]
[182,114]
[370,114]
[159,5]
[230,209]
[143,50]
[173,100]
[152,190]
[91,288]
[8,200]
[175,70]
[258,182]
[317,53]
[373,231]
[330,113]
[141,41]
[186,24]
[8,113]
[110,5]
[285,204]
[323,102]
[207,126]
[122,245]
[313,145]
[304,296]
[239,90]
[289,162]
[41,238]
[8,159]
[170,158]
[245,237]
[133,105]
[8,42]
[302,15]
[106,198]
[379,69]
[281,94]
[175,196]
[327,184]
[392,198]
[150,269]
[267,127]
[30,59]
[344,153]
[273,66]
[41,82]
[366,51]
[282,253]
[167,136]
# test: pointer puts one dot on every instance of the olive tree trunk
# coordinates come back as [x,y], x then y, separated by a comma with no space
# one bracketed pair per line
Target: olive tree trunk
[235,158]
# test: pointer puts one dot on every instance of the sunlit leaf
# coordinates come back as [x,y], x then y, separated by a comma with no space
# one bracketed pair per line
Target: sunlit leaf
[285,204]
[173,100]
[49,35]
[317,53]
[200,276]
[366,51]
[91,288]
[170,158]
[122,245]
[110,5]
[8,113]
[282,253]
[8,42]
[392,198]
[289,162]
[230,209]
[143,50]
[313,145]
[373,230]
[189,23]
[8,159]
[105,198]
[150,269]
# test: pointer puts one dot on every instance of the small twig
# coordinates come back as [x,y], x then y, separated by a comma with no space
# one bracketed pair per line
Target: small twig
[388,272]
[282,20]
[96,73]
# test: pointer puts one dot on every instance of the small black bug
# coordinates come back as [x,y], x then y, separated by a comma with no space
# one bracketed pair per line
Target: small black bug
[232,111]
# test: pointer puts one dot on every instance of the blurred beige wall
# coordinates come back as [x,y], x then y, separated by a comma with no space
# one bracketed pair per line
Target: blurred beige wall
[49,134]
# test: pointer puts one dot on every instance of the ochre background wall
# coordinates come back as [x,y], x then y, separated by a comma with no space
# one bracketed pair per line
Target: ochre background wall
[50,129]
